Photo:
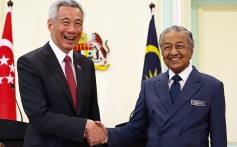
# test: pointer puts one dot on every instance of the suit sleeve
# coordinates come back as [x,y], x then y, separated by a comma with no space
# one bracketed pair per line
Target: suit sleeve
[135,129]
[94,111]
[34,100]
[217,118]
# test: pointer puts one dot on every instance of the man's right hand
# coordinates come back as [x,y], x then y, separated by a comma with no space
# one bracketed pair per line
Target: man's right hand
[95,132]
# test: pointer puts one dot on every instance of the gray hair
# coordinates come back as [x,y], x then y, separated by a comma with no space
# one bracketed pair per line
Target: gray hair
[53,11]
[177,29]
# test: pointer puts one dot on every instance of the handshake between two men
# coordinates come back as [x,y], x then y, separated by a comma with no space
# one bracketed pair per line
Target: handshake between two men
[95,132]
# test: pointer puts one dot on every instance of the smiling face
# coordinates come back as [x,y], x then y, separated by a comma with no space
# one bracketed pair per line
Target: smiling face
[176,51]
[66,30]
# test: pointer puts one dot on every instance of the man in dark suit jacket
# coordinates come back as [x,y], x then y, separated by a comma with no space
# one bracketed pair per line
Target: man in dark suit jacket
[54,119]
[197,113]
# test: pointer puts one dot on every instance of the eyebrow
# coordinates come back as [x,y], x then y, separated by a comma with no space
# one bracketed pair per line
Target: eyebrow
[179,42]
[168,43]
[66,18]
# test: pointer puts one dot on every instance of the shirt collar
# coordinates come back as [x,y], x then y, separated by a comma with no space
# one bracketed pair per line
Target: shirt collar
[59,53]
[184,74]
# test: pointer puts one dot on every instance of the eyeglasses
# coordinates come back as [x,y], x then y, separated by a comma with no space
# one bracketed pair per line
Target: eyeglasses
[169,47]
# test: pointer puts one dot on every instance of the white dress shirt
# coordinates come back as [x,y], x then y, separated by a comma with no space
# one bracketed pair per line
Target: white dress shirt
[61,55]
[184,75]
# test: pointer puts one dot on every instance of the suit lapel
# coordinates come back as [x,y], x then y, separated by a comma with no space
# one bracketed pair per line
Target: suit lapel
[192,85]
[80,76]
[162,91]
[51,61]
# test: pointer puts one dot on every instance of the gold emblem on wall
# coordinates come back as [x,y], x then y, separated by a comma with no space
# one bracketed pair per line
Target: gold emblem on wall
[94,49]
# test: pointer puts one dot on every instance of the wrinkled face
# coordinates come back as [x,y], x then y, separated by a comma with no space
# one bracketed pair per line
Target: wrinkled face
[66,30]
[176,51]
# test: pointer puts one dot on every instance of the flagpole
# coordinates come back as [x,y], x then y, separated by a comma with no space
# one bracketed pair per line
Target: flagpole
[7,95]
[10,3]
[152,5]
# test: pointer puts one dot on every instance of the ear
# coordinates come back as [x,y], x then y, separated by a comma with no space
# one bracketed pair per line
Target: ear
[50,24]
[191,53]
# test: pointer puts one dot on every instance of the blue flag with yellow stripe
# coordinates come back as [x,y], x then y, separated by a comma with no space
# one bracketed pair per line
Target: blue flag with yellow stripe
[152,62]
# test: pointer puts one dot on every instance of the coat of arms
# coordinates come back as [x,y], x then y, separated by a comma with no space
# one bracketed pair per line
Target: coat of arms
[94,49]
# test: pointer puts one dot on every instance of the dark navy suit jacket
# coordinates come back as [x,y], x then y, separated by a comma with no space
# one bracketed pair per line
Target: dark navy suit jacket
[47,101]
[199,111]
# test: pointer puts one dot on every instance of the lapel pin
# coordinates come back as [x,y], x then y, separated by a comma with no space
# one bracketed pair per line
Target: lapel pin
[78,66]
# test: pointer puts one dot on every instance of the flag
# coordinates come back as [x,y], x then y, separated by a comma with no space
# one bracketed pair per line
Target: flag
[7,72]
[152,62]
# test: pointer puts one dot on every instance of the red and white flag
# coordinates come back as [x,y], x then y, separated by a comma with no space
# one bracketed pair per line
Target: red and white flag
[7,72]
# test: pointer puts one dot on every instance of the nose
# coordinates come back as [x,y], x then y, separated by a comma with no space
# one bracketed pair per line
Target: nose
[72,28]
[174,51]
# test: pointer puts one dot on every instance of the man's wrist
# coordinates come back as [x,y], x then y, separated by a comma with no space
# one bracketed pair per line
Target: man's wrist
[106,139]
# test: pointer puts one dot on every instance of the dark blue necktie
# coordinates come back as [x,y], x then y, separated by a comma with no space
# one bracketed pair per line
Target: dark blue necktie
[175,87]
